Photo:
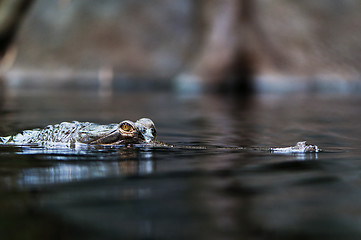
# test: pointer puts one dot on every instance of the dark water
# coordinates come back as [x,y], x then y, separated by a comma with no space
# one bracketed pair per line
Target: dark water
[185,194]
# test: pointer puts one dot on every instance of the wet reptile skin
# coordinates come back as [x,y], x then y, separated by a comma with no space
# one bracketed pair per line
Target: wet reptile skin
[126,132]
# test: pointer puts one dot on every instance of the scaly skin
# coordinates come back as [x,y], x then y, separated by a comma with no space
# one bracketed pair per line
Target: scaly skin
[127,132]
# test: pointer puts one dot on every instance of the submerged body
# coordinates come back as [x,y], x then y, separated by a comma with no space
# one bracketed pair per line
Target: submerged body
[127,132]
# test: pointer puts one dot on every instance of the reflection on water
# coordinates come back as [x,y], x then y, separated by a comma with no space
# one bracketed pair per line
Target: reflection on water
[81,164]
[60,173]
[75,164]
[117,193]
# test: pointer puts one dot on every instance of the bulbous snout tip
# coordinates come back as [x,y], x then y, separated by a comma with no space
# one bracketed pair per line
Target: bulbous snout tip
[147,129]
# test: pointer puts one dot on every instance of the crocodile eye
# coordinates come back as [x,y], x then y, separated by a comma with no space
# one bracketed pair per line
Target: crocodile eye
[126,127]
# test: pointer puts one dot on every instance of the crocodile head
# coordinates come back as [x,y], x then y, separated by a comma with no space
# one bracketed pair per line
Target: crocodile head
[127,132]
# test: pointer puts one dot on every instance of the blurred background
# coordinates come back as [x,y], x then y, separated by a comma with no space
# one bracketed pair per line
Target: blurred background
[216,73]
[188,45]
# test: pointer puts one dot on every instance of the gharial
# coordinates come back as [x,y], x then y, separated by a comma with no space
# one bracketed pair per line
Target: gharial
[125,133]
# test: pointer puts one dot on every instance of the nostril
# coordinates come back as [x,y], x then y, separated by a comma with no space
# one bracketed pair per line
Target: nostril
[148,135]
[154,132]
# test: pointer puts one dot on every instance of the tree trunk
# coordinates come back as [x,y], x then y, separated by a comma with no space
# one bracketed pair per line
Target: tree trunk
[11,14]
[225,62]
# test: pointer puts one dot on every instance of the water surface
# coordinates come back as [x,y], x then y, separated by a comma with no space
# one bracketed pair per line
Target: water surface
[115,193]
